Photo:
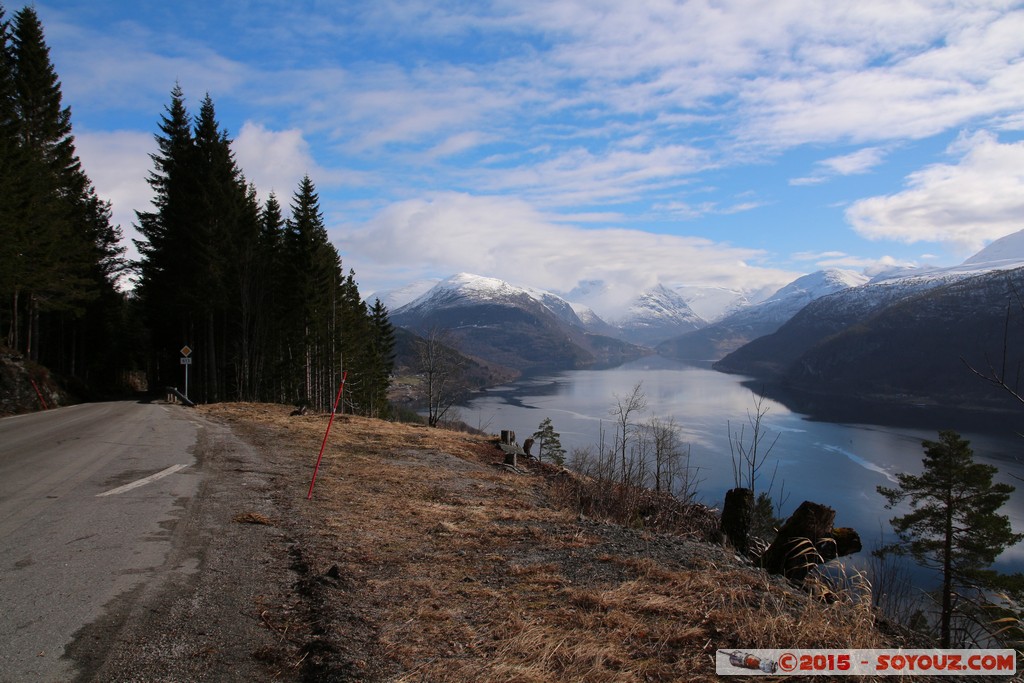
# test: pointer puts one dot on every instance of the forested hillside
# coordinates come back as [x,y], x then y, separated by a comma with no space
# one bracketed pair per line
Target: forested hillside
[259,298]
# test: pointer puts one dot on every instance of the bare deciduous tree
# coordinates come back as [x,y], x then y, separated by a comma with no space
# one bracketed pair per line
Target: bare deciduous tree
[624,411]
[670,459]
[750,456]
[443,374]
[1007,376]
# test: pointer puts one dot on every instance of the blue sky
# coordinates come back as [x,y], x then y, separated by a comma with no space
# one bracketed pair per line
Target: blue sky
[545,142]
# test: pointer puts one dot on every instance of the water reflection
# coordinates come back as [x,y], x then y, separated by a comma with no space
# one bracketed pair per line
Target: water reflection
[837,464]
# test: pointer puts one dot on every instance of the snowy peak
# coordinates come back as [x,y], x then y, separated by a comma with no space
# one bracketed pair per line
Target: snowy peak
[466,289]
[655,315]
[745,324]
[712,303]
[662,305]
[1004,252]
[658,314]
[400,296]
[818,284]
[512,327]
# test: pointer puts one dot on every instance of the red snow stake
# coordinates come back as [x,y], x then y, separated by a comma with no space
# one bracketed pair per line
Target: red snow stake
[329,423]
[39,393]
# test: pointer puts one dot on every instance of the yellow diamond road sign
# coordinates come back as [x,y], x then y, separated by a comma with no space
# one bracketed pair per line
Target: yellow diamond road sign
[185,351]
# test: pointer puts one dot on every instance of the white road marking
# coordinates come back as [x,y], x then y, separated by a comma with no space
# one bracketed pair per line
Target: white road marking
[142,482]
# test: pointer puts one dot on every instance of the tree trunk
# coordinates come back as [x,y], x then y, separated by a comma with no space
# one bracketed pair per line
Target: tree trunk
[947,580]
[736,514]
[806,539]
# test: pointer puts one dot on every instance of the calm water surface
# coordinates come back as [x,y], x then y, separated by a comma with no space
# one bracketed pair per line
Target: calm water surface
[839,465]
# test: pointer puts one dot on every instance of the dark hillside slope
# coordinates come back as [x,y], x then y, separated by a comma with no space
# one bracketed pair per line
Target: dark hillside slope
[518,333]
[913,349]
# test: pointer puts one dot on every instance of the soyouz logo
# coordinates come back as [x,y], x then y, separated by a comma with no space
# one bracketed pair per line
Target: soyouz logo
[764,662]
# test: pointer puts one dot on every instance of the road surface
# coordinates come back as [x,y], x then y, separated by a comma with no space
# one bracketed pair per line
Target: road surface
[88,495]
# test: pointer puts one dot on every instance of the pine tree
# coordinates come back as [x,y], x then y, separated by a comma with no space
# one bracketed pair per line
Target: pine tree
[954,526]
[549,442]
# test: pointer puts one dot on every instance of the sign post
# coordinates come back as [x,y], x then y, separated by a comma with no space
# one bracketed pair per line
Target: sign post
[186,352]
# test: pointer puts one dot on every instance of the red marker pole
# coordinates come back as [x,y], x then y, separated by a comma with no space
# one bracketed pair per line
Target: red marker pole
[39,393]
[329,423]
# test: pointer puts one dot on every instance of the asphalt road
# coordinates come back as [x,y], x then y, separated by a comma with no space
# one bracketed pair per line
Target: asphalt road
[89,497]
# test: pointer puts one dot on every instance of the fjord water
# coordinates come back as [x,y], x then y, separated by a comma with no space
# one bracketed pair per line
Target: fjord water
[836,464]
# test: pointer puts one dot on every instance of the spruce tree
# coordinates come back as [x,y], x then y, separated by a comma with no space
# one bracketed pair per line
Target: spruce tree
[313,268]
[954,526]
[164,287]
[10,235]
[196,268]
[52,270]
[60,254]
[382,359]
[272,312]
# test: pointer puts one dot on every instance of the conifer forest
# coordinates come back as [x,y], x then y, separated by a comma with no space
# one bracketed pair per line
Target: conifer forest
[255,290]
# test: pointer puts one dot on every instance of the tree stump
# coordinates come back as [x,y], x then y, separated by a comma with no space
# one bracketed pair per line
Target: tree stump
[808,538]
[736,514]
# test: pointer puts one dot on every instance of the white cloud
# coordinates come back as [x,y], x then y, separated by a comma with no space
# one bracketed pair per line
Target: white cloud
[118,164]
[854,163]
[964,204]
[579,176]
[585,107]
[861,161]
[765,75]
[870,266]
[137,66]
[460,142]
[275,161]
[508,239]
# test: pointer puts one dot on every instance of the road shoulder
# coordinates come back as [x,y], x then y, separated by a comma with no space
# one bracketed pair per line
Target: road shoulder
[204,616]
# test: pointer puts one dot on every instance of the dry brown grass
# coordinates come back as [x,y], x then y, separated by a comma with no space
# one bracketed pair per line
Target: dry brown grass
[458,570]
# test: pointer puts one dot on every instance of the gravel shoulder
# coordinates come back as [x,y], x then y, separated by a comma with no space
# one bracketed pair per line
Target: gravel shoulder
[201,617]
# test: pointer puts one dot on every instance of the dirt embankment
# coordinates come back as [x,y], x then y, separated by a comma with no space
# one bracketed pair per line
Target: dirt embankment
[25,386]
[420,559]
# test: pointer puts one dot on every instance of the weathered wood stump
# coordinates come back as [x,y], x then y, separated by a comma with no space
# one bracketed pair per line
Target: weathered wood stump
[808,538]
[736,517]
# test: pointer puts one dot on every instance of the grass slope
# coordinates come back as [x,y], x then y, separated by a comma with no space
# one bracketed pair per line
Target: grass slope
[421,558]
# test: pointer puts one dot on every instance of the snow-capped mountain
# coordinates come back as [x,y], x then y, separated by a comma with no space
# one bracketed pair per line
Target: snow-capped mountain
[708,302]
[904,334]
[656,315]
[714,303]
[750,322]
[400,296]
[515,327]
[1005,252]
[649,318]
